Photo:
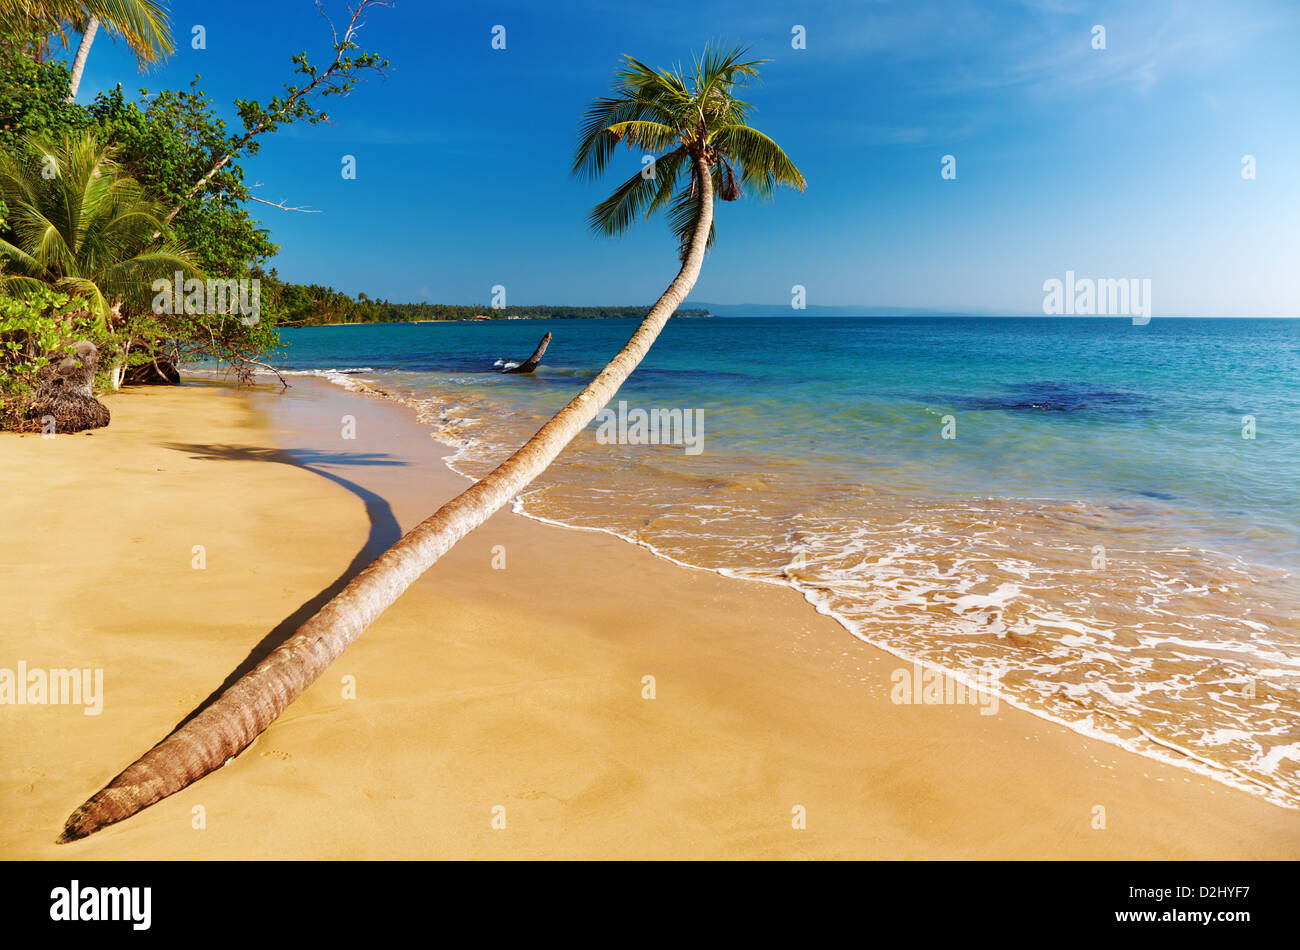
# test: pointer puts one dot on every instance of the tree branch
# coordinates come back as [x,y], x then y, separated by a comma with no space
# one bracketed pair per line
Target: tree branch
[338,77]
[282,206]
[283,382]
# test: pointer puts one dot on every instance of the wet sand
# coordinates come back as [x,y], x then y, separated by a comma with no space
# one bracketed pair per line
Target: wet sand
[485,689]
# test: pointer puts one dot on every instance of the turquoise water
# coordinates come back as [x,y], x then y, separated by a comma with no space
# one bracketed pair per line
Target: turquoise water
[1096,535]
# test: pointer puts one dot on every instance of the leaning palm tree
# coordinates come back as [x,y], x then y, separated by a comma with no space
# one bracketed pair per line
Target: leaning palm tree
[694,119]
[143,24]
[79,222]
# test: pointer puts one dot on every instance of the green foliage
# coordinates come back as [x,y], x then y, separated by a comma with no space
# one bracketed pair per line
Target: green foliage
[299,305]
[223,339]
[161,147]
[78,221]
[32,98]
[40,327]
[167,143]
[170,142]
[36,330]
[295,105]
[143,24]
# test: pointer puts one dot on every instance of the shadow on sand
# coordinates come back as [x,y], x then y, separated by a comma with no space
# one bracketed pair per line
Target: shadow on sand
[384,531]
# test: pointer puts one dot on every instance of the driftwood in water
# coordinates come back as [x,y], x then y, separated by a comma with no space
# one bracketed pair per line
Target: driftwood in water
[530,364]
[64,392]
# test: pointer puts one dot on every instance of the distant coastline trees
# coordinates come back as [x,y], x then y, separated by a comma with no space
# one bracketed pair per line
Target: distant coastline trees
[306,305]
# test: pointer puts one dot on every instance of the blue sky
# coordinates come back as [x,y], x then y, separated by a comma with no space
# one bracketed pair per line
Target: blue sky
[1117,163]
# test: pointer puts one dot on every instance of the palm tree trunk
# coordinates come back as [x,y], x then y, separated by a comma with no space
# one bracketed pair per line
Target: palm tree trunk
[117,373]
[83,53]
[230,724]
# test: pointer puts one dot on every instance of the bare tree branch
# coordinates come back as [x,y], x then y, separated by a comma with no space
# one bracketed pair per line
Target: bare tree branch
[283,382]
[282,206]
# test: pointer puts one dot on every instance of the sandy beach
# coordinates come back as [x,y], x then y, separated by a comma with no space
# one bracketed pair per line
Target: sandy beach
[510,680]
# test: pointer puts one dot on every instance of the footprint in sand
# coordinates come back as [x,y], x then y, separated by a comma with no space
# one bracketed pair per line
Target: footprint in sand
[31,786]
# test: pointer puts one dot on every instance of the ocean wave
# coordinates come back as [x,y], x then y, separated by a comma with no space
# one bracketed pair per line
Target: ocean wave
[1167,650]
[348,377]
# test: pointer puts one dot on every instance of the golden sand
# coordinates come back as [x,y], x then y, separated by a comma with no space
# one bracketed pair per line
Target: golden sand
[485,692]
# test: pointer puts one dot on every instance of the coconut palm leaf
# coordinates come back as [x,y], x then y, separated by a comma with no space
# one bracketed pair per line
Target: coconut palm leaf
[692,118]
[79,221]
[762,162]
[143,24]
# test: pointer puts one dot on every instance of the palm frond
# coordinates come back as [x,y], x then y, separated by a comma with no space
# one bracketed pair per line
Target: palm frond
[762,162]
[689,115]
[596,143]
[619,211]
[11,254]
[89,227]
[653,136]
[143,24]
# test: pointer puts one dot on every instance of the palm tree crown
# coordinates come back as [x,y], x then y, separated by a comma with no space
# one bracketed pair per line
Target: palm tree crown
[694,120]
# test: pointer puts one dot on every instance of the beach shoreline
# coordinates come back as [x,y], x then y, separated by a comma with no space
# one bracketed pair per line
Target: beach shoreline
[585,511]
[510,676]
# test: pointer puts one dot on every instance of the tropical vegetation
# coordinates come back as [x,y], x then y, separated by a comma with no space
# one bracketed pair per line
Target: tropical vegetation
[303,305]
[170,167]
[79,223]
